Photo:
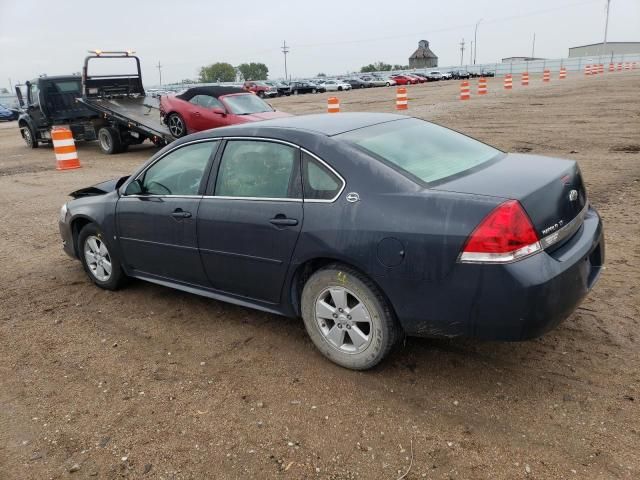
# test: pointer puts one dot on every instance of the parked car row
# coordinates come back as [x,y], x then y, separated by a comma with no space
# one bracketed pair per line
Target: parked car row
[8,114]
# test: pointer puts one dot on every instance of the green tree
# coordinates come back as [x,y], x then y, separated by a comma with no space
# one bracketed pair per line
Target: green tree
[322,75]
[400,67]
[376,67]
[217,72]
[253,71]
[4,90]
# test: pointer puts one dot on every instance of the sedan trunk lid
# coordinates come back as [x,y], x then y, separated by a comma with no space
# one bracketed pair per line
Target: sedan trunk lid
[551,190]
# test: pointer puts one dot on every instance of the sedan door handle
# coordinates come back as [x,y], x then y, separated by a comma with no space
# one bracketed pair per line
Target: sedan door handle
[284,221]
[179,213]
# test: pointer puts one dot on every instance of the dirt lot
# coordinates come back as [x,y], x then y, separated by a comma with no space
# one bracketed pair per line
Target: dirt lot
[149,382]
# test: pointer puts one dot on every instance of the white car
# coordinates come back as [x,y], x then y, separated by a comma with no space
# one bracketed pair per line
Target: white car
[388,81]
[335,85]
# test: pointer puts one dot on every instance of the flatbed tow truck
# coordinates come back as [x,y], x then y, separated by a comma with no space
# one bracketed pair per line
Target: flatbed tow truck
[126,115]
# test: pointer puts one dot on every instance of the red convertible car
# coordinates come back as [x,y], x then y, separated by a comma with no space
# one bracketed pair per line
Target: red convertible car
[202,108]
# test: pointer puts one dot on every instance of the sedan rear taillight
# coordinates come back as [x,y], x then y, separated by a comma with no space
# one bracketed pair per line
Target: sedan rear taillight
[505,235]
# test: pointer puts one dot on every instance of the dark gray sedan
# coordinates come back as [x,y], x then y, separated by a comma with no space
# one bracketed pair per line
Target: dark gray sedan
[368,226]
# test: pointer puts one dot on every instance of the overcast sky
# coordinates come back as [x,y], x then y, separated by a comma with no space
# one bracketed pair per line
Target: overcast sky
[325,36]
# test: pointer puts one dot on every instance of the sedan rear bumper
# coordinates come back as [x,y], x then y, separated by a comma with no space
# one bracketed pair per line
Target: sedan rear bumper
[516,301]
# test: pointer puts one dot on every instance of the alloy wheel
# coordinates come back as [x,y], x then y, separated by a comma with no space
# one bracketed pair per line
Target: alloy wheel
[176,126]
[343,320]
[97,258]
[28,138]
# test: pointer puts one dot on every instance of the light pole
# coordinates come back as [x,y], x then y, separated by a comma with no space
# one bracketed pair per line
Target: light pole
[475,41]
[285,50]
[606,28]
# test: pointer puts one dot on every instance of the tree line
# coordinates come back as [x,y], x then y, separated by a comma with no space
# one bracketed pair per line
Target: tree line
[225,72]
[382,67]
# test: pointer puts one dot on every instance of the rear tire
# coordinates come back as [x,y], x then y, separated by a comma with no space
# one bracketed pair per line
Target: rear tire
[261,94]
[176,124]
[97,258]
[110,141]
[347,317]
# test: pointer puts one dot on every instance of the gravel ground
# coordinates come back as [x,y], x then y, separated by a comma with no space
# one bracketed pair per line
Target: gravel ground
[150,382]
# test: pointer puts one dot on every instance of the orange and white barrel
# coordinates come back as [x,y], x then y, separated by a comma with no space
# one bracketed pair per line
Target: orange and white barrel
[627,66]
[601,68]
[465,92]
[587,69]
[546,76]
[619,67]
[64,148]
[333,105]
[508,82]
[612,67]
[563,73]
[524,81]
[634,65]
[402,102]
[482,86]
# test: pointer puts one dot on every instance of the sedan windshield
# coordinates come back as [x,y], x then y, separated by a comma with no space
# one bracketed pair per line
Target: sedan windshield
[245,104]
[426,151]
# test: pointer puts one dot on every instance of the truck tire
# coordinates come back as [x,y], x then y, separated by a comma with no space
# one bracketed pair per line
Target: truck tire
[29,136]
[109,140]
[261,94]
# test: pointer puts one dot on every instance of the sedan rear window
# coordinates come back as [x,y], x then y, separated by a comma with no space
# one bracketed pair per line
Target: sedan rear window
[424,150]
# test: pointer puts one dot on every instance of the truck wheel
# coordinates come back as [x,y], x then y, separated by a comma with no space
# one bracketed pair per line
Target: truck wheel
[176,125]
[261,94]
[347,317]
[29,137]
[109,140]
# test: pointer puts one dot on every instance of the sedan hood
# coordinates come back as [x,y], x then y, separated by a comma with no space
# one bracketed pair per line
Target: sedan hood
[256,117]
[99,188]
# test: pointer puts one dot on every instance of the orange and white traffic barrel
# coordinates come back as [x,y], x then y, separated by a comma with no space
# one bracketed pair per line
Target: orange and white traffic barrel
[333,105]
[587,69]
[402,103]
[64,148]
[465,92]
[508,82]
[619,67]
[601,68]
[525,79]
[612,67]
[563,73]
[627,66]
[546,76]
[482,86]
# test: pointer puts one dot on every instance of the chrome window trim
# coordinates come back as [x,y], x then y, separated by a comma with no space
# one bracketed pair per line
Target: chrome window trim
[255,199]
[142,172]
[565,232]
[331,169]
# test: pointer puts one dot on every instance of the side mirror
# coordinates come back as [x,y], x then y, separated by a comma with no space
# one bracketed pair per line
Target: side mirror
[219,111]
[19,95]
[134,188]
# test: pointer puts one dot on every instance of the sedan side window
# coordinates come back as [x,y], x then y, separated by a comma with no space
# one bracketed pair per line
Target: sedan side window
[257,169]
[319,183]
[179,172]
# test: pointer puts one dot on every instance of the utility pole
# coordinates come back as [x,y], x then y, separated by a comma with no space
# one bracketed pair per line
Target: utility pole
[471,53]
[533,47]
[461,52]
[159,67]
[606,28]
[475,41]
[285,50]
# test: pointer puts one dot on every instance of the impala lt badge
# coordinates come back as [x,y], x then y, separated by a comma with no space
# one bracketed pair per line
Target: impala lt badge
[573,195]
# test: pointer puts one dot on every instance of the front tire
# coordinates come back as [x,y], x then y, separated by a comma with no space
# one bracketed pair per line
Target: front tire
[29,137]
[347,317]
[97,258]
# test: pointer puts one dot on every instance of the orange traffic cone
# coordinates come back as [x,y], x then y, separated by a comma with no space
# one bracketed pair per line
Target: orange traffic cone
[465,92]
[482,86]
[333,105]
[402,103]
[64,148]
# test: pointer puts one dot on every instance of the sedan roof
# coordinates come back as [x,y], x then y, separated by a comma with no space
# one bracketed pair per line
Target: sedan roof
[327,123]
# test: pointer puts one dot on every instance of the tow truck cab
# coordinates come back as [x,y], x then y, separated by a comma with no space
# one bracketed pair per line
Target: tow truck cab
[50,101]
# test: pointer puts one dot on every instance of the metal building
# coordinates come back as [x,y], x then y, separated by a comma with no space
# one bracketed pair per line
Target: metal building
[423,57]
[611,48]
